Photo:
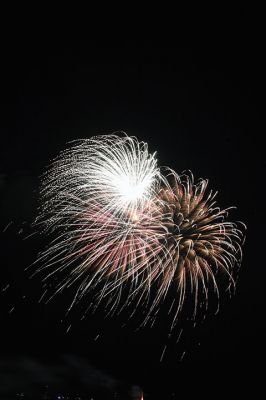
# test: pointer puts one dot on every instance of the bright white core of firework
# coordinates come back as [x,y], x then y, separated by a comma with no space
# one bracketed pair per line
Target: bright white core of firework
[129,189]
[124,174]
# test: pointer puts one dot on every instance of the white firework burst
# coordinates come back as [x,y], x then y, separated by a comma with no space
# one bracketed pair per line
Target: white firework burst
[122,226]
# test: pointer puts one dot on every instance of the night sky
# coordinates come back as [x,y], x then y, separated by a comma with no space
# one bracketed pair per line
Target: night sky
[201,108]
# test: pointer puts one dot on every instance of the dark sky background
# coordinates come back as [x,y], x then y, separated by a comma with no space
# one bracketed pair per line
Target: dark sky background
[201,108]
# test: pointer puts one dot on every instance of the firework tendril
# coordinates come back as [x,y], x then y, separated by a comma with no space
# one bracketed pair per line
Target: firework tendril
[121,226]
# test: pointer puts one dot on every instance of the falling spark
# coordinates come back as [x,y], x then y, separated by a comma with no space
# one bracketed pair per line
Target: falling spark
[7,226]
[163,352]
[5,288]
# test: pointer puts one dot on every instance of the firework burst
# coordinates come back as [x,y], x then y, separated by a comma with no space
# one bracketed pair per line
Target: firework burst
[121,226]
